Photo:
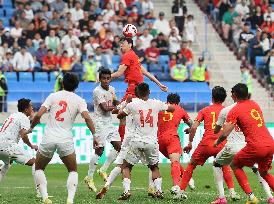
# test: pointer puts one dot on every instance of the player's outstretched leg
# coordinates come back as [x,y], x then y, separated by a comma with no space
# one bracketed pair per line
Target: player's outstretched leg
[227,173]
[4,170]
[110,158]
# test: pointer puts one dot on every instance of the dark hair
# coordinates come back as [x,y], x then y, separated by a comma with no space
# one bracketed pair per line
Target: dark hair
[143,89]
[136,91]
[70,81]
[240,91]
[23,104]
[173,98]
[153,41]
[102,71]
[129,40]
[218,94]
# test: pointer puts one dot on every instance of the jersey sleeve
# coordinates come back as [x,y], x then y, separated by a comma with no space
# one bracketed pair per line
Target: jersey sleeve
[128,108]
[184,115]
[82,106]
[99,97]
[232,116]
[161,106]
[25,123]
[221,118]
[48,102]
[125,60]
[200,116]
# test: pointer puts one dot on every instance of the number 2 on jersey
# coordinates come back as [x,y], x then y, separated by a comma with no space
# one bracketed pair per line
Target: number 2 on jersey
[149,118]
[64,105]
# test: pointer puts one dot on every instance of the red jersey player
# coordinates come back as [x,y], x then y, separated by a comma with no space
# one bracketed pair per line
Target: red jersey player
[133,71]
[260,145]
[169,140]
[205,148]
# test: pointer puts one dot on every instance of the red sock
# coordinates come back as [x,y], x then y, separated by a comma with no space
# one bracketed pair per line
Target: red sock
[122,129]
[270,180]
[227,172]
[187,176]
[242,180]
[175,172]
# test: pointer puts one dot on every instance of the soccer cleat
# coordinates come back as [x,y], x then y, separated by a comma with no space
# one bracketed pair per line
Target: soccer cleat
[38,195]
[219,201]
[150,191]
[191,184]
[125,196]
[47,201]
[270,201]
[158,194]
[90,184]
[175,190]
[102,192]
[103,174]
[253,201]
[234,196]
[69,202]
[180,196]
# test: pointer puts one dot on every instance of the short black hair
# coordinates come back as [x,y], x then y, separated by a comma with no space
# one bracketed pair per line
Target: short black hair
[143,89]
[102,71]
[23,104]
[240,90]
[219,94]
[173,98]
[129,40]
[70,81]
[136,91]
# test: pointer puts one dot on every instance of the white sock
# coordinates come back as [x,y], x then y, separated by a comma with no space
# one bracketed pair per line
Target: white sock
[33,174]
[219,181]
[41,182]
[251,196]
[113,175]
[3,171]
[158,184]
[92,165]
[265,186]
[110,158]
[72,183]
[150,181]
[126,185]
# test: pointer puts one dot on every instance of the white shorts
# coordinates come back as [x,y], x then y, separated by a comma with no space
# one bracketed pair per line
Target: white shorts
[226,155]
[11,151]
[150,152]
[63,149]
[106,133]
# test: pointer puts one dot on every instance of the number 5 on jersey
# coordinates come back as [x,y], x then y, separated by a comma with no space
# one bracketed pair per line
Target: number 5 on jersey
[63,105]
[149,118]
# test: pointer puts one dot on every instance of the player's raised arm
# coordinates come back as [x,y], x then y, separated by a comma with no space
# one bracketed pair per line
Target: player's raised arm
[37,117]
[24,135]
[121,69]
[152,78]
[228,127]
[85,115]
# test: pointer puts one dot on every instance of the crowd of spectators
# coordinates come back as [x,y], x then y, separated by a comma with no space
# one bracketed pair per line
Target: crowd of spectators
[81,36]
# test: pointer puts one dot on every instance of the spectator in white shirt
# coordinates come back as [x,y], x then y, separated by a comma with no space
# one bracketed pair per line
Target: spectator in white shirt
[242,9]
[23,61]
[89,47]
[269,12]
[265,43]
[108,13]
[146,39]
[147,7]
[162,25]
[67,39]
[16,31]
[29,12]
[77,12]
[174,41]
[98,25]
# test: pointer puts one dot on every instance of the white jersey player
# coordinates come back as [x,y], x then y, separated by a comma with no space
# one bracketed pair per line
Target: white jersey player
[144,141]
[235,142]
[105,102]
[16,126]
[63,107]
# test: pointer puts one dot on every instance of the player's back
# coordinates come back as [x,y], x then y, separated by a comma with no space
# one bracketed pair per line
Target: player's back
[63,108]
[209,115]
[168,122]
[251,121]
[12,126]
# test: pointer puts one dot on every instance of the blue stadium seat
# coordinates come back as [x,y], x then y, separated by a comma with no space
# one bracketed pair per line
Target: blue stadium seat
[11,76]
[41,76]
[144,65]
[116,59]
[272,6]
[260,63]
[163,76]
[149,21]
[25,76]
[115,66]
[163,59]
[6,22]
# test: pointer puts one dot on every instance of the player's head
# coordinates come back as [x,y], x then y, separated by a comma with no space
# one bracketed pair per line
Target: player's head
[126,44]
[70,82]
[143,90]
[218,94]
[105,77]
[173,98]
[239,92]
[25,106]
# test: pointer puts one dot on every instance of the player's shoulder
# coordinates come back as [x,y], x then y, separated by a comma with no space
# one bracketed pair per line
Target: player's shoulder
[111,89]
[19,116]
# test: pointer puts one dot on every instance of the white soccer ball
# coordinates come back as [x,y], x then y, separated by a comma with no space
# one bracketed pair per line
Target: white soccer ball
[129,31]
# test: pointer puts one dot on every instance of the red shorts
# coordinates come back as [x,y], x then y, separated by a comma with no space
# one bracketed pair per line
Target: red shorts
[204,151]
[250,155]
[130,91]
[169,144]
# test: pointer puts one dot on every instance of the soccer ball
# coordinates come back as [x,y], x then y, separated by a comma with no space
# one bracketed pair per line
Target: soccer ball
[129,31]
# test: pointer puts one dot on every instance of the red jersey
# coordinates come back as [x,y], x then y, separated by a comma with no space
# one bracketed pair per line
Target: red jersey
[133,73]
[248,116]
[152,52]
[187,54]
[209,115]
[168,123]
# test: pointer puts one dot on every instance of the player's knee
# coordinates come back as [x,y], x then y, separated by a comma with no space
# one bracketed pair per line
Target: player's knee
[263,173]
[99,151]
[215,164]
[153,167]
[30,162]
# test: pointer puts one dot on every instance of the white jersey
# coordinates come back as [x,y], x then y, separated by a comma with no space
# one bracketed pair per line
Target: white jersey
[12,126]
[63,107]
[101,95]
[145,118]
[236,136]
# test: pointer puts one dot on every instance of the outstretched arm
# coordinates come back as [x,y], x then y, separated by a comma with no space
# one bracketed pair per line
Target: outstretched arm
[38,116]
[24,135]
[122,68]
[228,127]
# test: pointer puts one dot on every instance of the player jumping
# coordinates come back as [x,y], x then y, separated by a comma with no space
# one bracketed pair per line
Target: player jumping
[260,145]
[63,107]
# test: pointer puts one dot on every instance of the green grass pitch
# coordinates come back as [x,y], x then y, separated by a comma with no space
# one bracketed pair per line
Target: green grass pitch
[18,187]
